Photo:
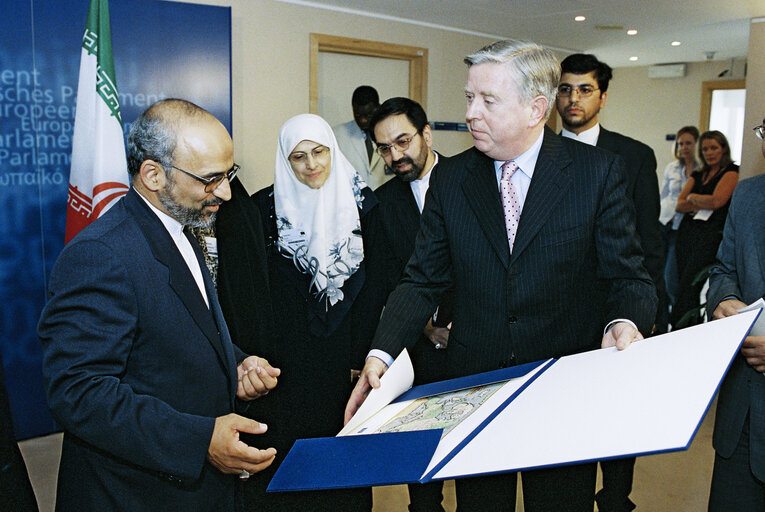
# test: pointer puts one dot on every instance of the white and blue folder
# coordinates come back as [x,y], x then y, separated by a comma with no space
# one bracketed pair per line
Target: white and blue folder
[596,405]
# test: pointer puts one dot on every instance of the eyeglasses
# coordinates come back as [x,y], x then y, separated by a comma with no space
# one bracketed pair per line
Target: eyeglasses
[585,91]
[300,157]
[213,182]
[760,131]
[401,144]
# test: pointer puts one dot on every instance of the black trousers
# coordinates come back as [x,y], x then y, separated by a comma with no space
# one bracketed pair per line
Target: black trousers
[562,489]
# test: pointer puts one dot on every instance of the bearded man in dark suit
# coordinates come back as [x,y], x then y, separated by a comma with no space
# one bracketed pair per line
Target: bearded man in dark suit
[404,139]
[524,225]
[139,365]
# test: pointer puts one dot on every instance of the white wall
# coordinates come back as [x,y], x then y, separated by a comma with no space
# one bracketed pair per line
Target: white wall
[649,109]
[752,161]
[270,50]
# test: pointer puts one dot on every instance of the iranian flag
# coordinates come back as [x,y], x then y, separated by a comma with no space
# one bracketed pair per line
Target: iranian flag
[99,169]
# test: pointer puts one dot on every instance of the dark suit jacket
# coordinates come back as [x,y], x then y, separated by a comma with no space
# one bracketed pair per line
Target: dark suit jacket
[137,369]
[740,272]
[643,189]
[576,227]
[400,223]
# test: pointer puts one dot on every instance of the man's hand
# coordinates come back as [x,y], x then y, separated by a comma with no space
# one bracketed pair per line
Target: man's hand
[728,307]
[229,454]
[620,335]
[753,348]
[256,378]
[369,378]
[438,336]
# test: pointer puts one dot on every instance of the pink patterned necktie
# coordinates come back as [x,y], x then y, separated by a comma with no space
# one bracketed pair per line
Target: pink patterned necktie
[511,204]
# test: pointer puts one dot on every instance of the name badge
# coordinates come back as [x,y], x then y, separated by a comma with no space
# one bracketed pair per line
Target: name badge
[293,236]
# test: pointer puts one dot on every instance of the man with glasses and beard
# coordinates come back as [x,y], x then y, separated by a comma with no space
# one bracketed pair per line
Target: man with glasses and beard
[404,140]
[139,366]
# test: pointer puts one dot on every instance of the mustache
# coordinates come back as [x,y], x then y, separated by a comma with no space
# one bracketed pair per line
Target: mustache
[213,202]
[403,160]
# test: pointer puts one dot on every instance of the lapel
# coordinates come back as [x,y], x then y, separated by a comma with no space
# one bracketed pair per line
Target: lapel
[549,183]
[223,341]
[180,279]
[406,212]
[482,194]
[606,141]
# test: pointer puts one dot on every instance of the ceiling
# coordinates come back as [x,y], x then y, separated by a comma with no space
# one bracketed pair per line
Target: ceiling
[701,26]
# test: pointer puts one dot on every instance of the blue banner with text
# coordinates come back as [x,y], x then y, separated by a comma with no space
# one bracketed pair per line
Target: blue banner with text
[161,50]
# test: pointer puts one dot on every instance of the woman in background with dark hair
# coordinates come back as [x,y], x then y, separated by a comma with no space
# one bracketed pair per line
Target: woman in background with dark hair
[676,174]
[704,200]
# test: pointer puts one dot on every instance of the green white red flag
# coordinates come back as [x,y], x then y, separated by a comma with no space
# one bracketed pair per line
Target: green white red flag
[99,169]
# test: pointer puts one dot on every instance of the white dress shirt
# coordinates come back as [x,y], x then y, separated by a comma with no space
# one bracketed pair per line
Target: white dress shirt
[175,229]
[420,187]
[589,136]
[671,186]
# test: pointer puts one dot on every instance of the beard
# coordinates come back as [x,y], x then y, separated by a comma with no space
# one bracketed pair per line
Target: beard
[406,176]
[187,215]
[577,122]
[416,167]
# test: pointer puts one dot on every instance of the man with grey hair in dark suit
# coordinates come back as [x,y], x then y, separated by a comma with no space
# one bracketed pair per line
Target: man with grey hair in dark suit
[738,279]
[525,225]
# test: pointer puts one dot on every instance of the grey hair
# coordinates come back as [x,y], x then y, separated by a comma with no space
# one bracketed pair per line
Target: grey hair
[532,67]
[153,135]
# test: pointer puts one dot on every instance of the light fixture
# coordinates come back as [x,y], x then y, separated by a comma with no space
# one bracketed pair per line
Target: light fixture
[675,43]
[633,58]
[632,32]
[579,18]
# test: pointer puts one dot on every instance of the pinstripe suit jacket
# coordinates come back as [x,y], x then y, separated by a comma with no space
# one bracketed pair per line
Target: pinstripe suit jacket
[740,272]
[576,227]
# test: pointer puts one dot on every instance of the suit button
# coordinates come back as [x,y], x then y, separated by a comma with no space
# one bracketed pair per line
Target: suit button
[512,319]
[512,358]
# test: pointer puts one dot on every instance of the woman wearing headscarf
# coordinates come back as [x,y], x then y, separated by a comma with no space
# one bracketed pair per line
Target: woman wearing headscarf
[320,244]
[704,200]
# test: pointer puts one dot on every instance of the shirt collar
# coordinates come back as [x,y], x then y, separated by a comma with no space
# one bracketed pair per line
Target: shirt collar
[527,160]
[589,136]
[172,226]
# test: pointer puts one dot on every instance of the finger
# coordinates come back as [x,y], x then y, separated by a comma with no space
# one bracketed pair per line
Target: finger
[373,379]
[251,456]
[261,465]
[357,397]
[242,424]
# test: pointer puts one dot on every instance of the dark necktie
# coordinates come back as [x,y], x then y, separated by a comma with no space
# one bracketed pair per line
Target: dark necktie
[368,143]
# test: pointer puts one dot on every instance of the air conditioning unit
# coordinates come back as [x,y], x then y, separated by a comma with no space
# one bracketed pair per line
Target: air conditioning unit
[666,71]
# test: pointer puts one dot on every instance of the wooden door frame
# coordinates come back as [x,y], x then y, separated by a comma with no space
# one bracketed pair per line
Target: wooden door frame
[417,58]
[707,88]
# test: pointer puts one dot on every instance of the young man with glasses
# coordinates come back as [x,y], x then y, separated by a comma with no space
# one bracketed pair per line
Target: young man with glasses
[404,140]
[582,93]
[738,279]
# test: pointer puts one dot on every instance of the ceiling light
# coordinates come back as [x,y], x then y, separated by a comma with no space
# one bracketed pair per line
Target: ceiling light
[633,58]
[675,43]
[631,32]
[579,18]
